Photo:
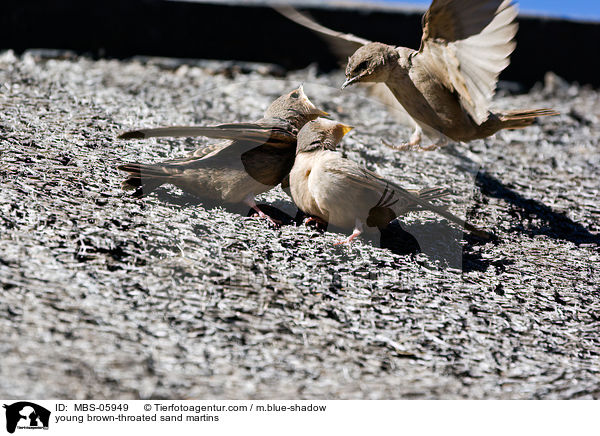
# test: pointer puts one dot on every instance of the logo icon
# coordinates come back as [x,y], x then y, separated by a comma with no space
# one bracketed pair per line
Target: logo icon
[26,415]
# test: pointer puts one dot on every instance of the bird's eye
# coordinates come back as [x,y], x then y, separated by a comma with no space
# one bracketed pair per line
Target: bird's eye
[362,66]
[295,94]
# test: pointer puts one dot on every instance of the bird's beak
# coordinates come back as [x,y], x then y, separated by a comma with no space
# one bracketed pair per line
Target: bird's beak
[350,81]
[313,108]
[345,128]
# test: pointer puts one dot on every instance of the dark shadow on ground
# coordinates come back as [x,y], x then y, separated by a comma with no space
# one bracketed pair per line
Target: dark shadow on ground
[472,261]
[554,225]
[434,239]
[185,200]
[437,240]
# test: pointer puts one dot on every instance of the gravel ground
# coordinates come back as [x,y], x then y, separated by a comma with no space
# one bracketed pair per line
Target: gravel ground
[106,296]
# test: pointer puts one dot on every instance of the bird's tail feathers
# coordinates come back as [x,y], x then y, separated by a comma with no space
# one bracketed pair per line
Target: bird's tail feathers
[428,194]
[433,193]
[424,202]
[522,118]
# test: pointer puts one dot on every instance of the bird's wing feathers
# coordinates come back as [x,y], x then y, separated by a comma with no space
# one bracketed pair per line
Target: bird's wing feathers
[259,133]
[359,177]
[206,149]
[453,20]
[470,41]
[342,44]
[160,132]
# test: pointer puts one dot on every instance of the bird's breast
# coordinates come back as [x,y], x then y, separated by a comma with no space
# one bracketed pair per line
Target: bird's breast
[430,102]
[300,186]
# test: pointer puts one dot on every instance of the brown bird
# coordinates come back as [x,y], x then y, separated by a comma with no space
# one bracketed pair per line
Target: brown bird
[447,85]
[254,158]
[339,191]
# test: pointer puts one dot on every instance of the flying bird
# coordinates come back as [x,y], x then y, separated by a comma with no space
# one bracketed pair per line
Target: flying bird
[446,86]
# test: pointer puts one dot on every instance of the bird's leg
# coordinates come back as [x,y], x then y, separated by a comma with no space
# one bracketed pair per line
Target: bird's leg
[412,144]
[416,137]
[358,228]
[315,219]
[249,200]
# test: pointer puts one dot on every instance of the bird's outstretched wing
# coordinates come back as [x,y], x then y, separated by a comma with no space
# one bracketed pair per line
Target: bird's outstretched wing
[469,43]
[342,44]
[453,20]
[259,133]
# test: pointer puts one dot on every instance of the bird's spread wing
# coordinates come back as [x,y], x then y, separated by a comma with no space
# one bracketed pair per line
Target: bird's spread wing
[360,177]
[453,20]
[259,133]
[342,44]
[206,149]
[469,43]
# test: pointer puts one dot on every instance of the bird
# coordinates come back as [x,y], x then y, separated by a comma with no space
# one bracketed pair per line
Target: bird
[446,86]
[253,158]
[341,192]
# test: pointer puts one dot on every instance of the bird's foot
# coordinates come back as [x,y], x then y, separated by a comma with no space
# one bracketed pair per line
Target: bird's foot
[260,214]
[442,141]
[314,219]
[405,146]
[350,238]
[411,145]
[249,200]
[430,147]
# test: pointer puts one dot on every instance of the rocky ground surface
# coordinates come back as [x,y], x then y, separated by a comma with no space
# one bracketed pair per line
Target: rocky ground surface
[106,296]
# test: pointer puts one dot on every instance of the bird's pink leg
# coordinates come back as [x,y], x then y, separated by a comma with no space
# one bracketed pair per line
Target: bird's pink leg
[315,219]
[249,200]
[358,228]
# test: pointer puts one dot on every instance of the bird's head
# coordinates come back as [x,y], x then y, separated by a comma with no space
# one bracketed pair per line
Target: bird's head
[370,63]
[296,107]
[321,134]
